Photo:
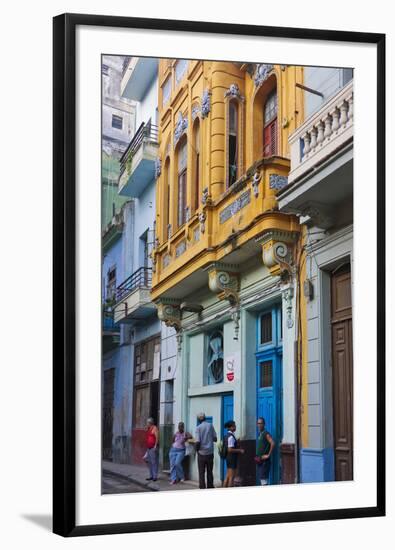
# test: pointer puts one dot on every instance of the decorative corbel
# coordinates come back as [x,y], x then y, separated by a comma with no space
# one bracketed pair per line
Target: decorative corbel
[223,279]
[255,183]
[277,252]
[202,221]
[206,198]
[170,313]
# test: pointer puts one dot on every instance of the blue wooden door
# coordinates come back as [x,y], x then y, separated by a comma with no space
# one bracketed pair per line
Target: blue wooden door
[227,414]
[269,381]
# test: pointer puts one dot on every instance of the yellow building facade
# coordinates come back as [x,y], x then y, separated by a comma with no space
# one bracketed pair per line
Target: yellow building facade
[213,114]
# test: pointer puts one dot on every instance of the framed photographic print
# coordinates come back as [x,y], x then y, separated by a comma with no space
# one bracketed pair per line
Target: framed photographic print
[218,275]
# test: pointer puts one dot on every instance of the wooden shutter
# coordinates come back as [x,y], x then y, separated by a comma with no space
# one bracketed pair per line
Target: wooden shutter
[270,139]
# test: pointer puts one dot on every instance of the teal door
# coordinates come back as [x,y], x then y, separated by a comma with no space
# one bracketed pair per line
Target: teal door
[227,414]
[269,380]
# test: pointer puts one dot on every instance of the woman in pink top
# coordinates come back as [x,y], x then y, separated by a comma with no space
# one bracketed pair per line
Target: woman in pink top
[177,454]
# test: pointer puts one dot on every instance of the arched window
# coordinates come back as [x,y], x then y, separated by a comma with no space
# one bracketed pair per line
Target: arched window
[270,125]
[196,165]
[215,358]
[166,199]
[233,145]
[182,181]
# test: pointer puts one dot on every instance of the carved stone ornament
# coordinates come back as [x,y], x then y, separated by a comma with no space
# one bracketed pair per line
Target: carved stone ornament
[277,252]
[234,92]
[195,111]
[224,281]
[181,126]
[262,73]
[205,196]
[202,221]
[255,183]
[288,294]
[236,322]
[158,167]
[187,214]
[277,182]
[206,103]
[169,312]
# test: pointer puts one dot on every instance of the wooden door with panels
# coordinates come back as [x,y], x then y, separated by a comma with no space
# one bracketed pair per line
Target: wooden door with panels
[342,372]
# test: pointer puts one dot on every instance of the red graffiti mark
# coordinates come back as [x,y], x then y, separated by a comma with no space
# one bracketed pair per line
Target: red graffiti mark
[230,376]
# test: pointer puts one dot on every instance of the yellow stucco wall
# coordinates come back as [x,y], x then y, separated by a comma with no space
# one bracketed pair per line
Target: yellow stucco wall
[196,244]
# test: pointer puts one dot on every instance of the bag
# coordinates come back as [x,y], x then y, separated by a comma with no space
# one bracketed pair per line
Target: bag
[223,447]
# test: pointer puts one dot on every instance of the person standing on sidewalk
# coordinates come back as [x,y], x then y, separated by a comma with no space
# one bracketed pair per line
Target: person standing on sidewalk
[264,449]
[205,438]
[152,444]
[233,452]
[177,454]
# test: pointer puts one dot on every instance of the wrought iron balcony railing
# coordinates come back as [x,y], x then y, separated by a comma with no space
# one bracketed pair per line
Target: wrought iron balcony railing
[145,132]
[142,278]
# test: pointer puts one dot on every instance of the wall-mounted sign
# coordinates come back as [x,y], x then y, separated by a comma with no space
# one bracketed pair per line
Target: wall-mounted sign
[232,365]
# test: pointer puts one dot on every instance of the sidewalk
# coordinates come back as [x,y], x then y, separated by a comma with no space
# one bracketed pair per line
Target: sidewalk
[138,475]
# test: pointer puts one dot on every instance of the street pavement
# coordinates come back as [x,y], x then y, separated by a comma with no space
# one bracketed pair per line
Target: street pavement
[136,476]
[113,484]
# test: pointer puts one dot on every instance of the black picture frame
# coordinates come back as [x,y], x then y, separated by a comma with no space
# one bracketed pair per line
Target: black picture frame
[64,273]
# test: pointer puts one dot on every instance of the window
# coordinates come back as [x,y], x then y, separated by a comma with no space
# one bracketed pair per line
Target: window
[270,125]
[182,182]
[166,91]
[233,160]
[270,328]
[166,200]
[111,283]
[117,122]
[347,75]
[180,69]
[266,328]
[266,374]
[215,358]
[196,164]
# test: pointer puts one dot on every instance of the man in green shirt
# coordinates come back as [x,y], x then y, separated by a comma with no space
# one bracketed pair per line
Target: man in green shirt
[264,449]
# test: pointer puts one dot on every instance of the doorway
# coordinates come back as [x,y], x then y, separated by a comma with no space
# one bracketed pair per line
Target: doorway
[269,380]
[342,372]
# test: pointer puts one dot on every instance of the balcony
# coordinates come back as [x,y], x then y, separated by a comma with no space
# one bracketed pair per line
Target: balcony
[110,332]
[133,300]
[137,75]
[224,229]
[137,164]
[321,175]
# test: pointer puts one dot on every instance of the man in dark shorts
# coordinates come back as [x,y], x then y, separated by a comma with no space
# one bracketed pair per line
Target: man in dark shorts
[233,451]
[264,449]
